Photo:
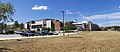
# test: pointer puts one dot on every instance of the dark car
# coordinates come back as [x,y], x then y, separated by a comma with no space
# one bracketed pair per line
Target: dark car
[27,33]
[50,33]
[45,33]
[9,32]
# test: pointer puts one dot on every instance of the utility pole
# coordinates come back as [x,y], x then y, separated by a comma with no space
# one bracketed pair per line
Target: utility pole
[63,21]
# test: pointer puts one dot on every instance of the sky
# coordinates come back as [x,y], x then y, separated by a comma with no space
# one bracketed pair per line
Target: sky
[101,12]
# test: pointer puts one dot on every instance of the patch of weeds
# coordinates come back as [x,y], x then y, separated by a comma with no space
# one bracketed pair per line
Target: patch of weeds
[19,39]
[75,37]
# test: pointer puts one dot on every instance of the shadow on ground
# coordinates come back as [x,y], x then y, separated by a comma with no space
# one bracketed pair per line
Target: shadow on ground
[5,50]
[75,37]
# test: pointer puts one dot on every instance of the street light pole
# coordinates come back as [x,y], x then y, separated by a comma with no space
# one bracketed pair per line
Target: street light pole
[63,21]
[0,2]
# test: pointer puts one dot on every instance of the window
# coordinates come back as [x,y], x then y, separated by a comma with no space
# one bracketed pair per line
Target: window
[36,26]
[44,24]
[33,27]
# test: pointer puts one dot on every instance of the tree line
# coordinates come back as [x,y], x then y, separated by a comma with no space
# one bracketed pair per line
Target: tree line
[15,26]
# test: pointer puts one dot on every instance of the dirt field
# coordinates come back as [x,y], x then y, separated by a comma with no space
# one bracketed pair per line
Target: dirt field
[83,42]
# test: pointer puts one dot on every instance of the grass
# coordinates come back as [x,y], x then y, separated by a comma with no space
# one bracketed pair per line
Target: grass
[96,41]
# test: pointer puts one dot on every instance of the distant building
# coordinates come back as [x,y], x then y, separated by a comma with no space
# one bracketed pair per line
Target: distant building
[44,23]
[57,25]
[87,25]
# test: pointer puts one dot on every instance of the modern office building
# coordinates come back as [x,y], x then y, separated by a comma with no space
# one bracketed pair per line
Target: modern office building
[44,23]
[87,25]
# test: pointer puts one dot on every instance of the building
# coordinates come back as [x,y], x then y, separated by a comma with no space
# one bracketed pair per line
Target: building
[44,23]
[87,25]
[57,25]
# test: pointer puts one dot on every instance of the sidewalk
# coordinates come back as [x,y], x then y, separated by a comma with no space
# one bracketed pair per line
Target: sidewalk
[16,36]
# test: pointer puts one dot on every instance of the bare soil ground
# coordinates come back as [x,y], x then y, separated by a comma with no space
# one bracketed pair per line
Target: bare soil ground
[96,41]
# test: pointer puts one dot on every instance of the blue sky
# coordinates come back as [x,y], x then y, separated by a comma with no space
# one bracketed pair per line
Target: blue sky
[102,12]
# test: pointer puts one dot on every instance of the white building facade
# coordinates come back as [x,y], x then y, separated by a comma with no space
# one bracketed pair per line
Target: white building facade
[43,23]
[87,25]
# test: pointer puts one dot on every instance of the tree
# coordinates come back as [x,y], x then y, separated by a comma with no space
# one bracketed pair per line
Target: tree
[69,26]
[73,28]
[6,12]
[21,26]
[45,29]
[52,29]
[38,29]
[48,29]
[111,27]
[16,24]
[3,26]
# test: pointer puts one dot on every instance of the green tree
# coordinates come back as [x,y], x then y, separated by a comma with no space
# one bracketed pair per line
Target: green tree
[69,26]
[62,28]
[6,11]
[3,26]
[45,29]
[21,26]
[115,27]
[48,29]
[16,24]
[52,29]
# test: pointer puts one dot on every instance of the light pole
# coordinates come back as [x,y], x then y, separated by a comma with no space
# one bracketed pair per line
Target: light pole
[0,2]
[63,21]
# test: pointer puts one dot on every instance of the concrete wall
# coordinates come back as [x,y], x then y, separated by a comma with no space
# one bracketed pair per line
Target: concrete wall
[25,25]
[39,22]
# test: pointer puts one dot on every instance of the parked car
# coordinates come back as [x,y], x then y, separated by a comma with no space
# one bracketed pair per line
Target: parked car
[44,33]
[55,33]
[10,32]
[2,32]
[39,34]
[27,33]
[52,33]
[18,32]
[7,32]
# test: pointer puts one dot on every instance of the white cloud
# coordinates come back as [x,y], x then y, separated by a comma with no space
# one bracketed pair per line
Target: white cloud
[69,12]
[118,6]
[36,7]
[115,15]
[110,23]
